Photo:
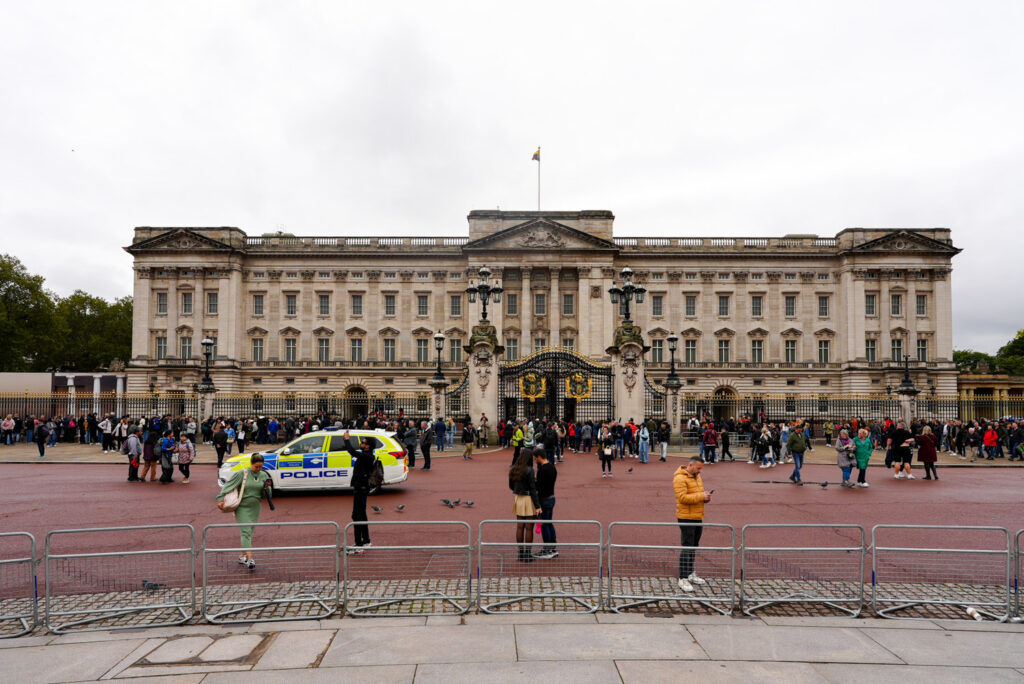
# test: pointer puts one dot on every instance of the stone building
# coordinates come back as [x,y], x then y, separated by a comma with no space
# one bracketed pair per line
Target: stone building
[799,314]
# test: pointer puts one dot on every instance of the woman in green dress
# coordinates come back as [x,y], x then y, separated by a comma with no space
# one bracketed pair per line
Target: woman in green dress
[248,510]
[862,454]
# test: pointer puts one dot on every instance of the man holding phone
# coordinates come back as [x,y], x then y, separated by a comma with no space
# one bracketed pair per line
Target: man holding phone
[690,499]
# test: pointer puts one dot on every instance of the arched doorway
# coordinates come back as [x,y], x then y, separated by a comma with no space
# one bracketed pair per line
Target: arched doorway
[723,404]
[356,402]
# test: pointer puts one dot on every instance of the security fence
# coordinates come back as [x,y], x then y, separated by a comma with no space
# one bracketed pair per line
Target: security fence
[775,571]
[18,607]
[925,572]
[111,588]
[286,581]
[562,576]
[927,577]
[431,577]
[646,562]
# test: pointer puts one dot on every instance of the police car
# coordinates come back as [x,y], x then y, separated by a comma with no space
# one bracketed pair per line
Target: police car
[318,460]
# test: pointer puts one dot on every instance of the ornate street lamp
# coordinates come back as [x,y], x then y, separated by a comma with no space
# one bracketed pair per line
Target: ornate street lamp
[438,381]
[206,384]
[486,290]
[907,385]
[672,381]
[628,292]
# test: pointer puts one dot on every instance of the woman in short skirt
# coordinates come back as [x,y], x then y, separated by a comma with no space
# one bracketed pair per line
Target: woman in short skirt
[526,506]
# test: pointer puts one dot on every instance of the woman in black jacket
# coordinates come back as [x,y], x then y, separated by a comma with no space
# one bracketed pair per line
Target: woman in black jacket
[362,466]
[523,483]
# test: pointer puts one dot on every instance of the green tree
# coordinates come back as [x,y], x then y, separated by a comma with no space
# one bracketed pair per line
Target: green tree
[968,359]
[1010,356]
[26,318]
[92,332]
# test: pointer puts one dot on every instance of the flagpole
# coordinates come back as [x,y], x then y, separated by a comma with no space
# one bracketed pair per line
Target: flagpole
[538,178]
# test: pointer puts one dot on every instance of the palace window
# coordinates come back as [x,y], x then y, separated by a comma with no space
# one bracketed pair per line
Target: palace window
[657,351]
[723,305]
[657,305]
[186,303]
[569,342]
[423,351]
[357,305]
[511,305]
[922,350]
[790,305]
[922,305]
[511,348]
[422,305]
[290,347]
[540,304]
[389,305]
[456,305]
[723,351]
[291,305]
[257,350]
[896,305]
[455,350]
[756,307]
[869,305]
[161,347]
[569,304]
[757,351]
[897,350]
[356,349]
[324,304]
[824,349]
[257,305]
[323,350]
[870,350]
[389,349]
[211,303]
[539,343]
[790,351]
[186,348]
[690,351]
[691,305]
[823,306]
[161,302]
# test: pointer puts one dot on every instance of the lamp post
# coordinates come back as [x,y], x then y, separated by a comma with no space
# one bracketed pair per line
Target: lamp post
[438,382]
[206,384]
[672,382]
[628,291]
[486,290]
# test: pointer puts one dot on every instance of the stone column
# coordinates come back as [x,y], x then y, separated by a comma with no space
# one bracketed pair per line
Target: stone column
[627,352]
[526,313]
[483,382]
[554,310]
[120,396]
[908,406]
[71,395]
[673,409]
[207,404]
[96,394]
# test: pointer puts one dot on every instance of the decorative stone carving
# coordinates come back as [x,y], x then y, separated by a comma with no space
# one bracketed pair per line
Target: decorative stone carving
[341,275]
[482,366]
[373,275]
[608,271]
[595,292]
[483,333]
[707,276]
[144,272]
[627,333]
[406,276]
[675,276]
[630,372]
[541,237]
[274,275]
[308,274]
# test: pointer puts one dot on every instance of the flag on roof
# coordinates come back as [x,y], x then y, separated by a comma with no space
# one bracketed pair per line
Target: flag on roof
[536,155]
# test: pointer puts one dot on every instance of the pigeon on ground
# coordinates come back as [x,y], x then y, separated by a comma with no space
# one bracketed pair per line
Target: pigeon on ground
[152,586]
[824,484]
[468,504]
[629,470]
[377,509]
[457,501]
[447,502]
[400,507]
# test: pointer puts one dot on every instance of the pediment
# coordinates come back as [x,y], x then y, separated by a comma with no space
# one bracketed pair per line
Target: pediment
[454,332]
[567,331]
[355,332]
[179,240]
[724,332]
[898,330]
[183,330]
[906,241]
[255,331]
[825,332]
[757,332]
[691,332]
[657,332]
[420,331]
[792,332]
[289,330]
[323,331]
[511,331]
[540,234]
[387,332]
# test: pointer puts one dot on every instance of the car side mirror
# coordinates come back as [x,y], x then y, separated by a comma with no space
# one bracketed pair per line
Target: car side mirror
[286,451]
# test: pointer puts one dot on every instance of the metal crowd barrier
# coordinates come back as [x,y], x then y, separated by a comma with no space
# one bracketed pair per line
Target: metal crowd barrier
[291,581]
[1018,571]
[19,609]
[114,589]
[774,573]
[511,578]
[392,577]
[907,577]
[645,561]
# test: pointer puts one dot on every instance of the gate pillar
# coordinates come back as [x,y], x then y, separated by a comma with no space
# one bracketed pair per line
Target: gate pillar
[627,354]
[483,350]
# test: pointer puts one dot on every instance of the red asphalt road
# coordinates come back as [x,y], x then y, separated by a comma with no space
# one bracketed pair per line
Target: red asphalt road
[42,497]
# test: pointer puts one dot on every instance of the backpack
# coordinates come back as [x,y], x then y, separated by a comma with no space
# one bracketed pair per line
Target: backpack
[124,447]
[376,475]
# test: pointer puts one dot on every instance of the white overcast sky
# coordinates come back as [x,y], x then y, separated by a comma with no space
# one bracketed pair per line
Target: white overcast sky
[683,118]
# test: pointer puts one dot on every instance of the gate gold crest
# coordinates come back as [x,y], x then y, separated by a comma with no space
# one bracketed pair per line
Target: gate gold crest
[577,387]
[533,387]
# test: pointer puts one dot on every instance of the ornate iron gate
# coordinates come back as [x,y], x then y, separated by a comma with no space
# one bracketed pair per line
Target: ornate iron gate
[556,382]
[655,404]
[456,399]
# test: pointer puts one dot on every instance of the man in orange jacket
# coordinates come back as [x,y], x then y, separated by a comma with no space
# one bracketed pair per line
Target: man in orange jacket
[690,499]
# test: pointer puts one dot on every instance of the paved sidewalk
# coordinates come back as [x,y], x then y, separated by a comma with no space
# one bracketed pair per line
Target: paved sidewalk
[527,648]
[86,453]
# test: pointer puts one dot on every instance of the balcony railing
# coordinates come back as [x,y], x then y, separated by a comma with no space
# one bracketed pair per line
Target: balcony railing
[277,363]
[726,243]
[288,243]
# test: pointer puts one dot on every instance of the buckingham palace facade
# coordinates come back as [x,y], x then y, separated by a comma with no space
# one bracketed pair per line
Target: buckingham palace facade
[799,314]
